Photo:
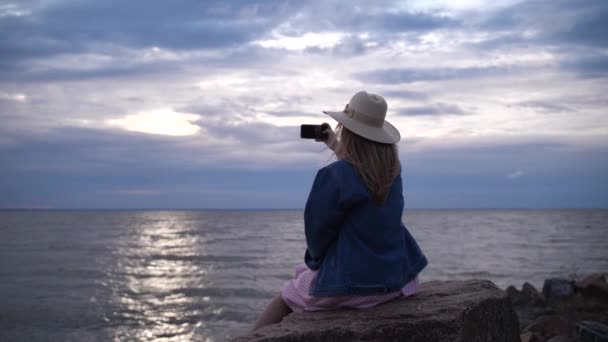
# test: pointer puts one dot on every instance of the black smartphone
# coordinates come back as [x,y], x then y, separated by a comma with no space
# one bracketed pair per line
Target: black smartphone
[313,132]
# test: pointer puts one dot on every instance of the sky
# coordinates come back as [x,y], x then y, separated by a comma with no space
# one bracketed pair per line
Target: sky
[197,104]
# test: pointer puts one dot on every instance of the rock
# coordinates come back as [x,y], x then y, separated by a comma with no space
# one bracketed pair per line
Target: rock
[556,288]
[532,295]
[549,326]
[589,331]
[528,295]
[527,315]
[531,337]
[465,311]
[590,279]
[593,285]
[528,304]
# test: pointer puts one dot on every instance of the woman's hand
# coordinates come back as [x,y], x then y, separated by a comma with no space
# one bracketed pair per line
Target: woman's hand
[331,140]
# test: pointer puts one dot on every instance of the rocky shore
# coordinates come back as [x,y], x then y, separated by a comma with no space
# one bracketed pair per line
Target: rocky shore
[465,311]
[565,310]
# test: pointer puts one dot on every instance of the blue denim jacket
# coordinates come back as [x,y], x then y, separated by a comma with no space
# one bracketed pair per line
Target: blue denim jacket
[358,246]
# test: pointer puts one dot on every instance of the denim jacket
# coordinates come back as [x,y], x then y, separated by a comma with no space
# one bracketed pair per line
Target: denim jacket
[358,246]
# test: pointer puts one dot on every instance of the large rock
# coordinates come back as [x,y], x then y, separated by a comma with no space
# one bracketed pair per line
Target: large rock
[594,285]
[458,311]
[528,303]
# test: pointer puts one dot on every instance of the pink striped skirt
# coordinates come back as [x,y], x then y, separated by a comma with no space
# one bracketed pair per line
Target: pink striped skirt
[295,294]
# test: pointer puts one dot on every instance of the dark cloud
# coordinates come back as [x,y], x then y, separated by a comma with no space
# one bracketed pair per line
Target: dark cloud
[404,94]
[94,151]
[374,18]
[80,168]
[224,166]
[588,27]
[116,153]
[588,66]
[234,107]
[66,73]
[250,133]
[351,46]
[290,113]
[75,26]
[504,41]
[388,23]
[124,66]
[545,106]
[552,23]
[433,109]
[410,75]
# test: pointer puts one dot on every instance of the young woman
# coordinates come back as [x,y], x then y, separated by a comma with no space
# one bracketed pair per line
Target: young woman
[359,254]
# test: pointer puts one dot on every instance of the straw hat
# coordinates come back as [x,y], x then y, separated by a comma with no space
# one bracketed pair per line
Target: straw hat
[364,115]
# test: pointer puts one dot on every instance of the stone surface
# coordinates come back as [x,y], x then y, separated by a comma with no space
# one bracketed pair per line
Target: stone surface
[458,311]
[589,331]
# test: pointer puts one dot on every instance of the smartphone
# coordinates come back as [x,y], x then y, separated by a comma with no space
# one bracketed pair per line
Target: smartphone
[313,132]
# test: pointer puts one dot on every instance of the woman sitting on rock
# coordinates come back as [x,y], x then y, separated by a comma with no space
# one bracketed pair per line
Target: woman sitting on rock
[359,254]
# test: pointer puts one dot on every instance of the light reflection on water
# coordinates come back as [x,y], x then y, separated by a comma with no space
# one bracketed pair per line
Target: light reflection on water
[155,265]
[203,276]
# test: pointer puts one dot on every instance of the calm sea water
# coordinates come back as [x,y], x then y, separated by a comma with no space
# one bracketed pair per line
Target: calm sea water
[205,275]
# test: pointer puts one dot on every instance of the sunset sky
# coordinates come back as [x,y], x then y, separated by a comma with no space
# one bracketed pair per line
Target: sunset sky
[197,104]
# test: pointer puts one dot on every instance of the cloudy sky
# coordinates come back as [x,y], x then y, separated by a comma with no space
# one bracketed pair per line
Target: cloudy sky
[197,104]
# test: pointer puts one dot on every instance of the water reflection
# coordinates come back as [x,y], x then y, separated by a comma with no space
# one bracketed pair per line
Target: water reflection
[156,267]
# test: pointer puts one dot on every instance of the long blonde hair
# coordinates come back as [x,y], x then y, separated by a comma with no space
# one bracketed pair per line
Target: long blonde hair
[376,163]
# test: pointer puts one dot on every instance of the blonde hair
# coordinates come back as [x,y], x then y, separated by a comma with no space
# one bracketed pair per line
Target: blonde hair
[376,163]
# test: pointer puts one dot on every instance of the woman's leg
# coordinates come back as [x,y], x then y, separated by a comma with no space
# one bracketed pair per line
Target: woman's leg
[274,313]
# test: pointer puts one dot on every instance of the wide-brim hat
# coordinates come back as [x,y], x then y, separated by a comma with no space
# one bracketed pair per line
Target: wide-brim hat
[365,115]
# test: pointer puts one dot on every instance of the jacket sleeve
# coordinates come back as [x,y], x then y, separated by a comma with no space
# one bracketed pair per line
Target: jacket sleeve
[322,217]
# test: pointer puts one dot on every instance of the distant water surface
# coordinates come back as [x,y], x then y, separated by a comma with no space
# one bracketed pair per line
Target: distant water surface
[205,275]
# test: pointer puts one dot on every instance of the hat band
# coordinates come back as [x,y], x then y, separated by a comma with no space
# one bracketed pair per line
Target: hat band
[363,118]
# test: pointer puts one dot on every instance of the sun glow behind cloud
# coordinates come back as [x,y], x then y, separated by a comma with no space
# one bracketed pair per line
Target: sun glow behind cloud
[17,97]
[308,40]
[160,121]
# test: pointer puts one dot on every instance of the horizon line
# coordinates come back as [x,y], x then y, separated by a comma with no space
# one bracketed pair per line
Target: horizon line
[285,209]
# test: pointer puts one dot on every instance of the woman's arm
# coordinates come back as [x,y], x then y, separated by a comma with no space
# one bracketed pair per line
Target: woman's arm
[322,217]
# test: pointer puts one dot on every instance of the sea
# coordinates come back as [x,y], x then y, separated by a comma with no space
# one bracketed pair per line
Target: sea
[205,275]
